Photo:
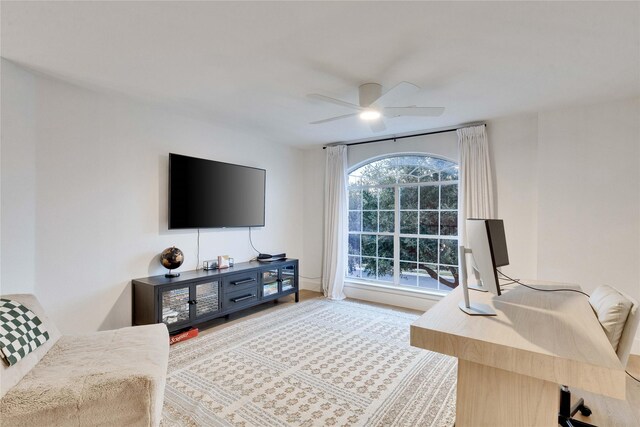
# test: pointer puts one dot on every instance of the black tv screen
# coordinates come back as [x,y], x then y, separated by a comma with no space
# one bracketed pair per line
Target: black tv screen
[209,194]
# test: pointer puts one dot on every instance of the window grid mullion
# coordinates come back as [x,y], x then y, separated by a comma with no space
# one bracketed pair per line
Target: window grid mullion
[396,235]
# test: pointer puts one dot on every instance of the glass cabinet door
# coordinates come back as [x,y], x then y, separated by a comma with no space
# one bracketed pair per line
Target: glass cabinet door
[207,298]
[175,305]
[269,282]
[288,277]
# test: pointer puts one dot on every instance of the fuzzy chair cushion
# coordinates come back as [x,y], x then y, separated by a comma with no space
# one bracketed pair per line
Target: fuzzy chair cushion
[106,378]
[612,309]
[11,375]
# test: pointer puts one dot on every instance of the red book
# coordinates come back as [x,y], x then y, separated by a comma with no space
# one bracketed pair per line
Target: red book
[182,336]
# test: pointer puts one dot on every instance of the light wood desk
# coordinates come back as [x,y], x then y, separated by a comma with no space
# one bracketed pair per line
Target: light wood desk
[510,366]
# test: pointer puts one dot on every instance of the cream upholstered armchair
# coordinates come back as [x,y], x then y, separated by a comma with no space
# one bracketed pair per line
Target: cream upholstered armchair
[619,316]
[108,378]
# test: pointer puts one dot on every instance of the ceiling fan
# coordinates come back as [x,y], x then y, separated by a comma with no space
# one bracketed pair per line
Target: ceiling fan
[374,105]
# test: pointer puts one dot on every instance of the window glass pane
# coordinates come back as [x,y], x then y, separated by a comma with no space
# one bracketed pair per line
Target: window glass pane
[406,174]
[387,198]
[354,244]
[429,222]
[354,268]
[368,245]
[385,246]
[408,273]
[387,221]
[355,220]
[448,275]
[370,199]
[408,197]
[439,164]
[428,250]
[355,199]
[370,221]
[408,249]
[354,179]
[448,197]
[427,278]
[429,197]
[409,222]
[448,223]
[449,251]
[369,266]
[385,270]
[379,172]
[429,176]
[450,174]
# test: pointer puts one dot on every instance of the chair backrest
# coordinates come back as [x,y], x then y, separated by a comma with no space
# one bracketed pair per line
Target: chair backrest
[619,316]
[629,331]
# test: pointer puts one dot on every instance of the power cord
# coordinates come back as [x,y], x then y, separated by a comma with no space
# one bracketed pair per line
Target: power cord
[198,253]
[543,290]
[553,290]
[251,241]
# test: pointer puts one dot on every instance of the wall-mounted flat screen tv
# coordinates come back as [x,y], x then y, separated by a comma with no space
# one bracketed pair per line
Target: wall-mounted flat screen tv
[209,194]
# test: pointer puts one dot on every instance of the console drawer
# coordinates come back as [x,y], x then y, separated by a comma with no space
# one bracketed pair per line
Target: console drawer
[236,282]
[240,297]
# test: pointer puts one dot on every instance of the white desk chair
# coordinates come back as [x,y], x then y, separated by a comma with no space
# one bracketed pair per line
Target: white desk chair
[619,316]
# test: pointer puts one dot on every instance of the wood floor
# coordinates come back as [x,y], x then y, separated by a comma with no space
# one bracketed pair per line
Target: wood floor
[606,411]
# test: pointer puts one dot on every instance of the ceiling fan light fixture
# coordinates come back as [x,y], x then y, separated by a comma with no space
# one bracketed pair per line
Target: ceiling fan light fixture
[370,115]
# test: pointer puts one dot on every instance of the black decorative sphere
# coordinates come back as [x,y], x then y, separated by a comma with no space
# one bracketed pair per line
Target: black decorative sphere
[172,258]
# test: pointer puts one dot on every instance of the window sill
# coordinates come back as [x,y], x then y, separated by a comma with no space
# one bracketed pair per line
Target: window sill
[432,295]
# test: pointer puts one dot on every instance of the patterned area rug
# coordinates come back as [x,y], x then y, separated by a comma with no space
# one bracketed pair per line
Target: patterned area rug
[316,363]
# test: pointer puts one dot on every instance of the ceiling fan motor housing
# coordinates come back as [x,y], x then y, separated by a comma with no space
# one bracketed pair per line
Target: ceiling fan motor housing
[369,93]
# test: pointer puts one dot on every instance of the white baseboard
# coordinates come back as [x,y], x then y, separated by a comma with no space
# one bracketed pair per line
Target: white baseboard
[310,284]
[398,297]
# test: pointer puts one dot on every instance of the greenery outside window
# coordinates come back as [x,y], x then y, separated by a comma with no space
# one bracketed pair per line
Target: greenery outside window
[403,222]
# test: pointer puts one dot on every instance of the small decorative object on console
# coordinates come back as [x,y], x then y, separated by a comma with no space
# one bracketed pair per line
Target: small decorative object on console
[171,258]
[223,261]
[209,265]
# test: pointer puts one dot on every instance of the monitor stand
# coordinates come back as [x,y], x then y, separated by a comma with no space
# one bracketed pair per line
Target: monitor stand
[472,309]
[477,285]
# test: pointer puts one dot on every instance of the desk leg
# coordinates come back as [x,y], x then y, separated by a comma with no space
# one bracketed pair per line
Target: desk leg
[493,397]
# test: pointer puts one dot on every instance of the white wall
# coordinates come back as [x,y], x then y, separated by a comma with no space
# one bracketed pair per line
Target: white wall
[84,197]
[513,148]
[589,198]
[18,183]
[313,224]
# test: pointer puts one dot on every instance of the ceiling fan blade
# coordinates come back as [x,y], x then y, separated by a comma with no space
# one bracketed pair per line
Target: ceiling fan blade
[377,125]
[330,119]
[398,93]
[413,111]
[333,101]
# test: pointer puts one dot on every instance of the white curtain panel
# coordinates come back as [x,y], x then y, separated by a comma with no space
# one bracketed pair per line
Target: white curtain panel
[475,188]
[335,222]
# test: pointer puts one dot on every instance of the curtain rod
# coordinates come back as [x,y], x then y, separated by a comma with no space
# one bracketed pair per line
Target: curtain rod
[402,137]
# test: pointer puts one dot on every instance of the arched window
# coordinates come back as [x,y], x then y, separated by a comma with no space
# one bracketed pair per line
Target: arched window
[403,222]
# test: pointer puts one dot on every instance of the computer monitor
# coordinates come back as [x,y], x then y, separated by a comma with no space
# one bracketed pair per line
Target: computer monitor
[487,245]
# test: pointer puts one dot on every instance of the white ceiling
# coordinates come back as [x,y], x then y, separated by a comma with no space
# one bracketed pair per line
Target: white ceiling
[250,64]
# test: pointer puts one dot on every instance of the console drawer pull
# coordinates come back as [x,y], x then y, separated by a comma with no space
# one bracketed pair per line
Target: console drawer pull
[242,282]
[246,297]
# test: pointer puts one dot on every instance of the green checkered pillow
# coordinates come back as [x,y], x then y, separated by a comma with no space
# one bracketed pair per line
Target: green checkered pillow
[21,332]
